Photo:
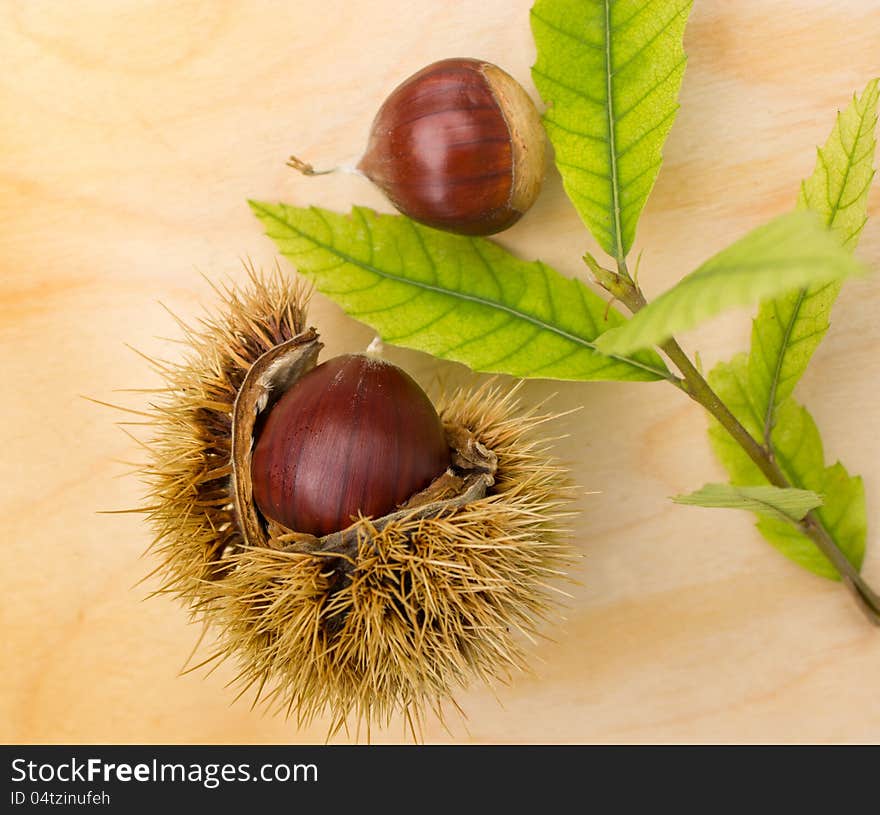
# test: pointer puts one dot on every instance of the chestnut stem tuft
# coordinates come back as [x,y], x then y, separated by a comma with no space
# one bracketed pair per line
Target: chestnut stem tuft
[307,169]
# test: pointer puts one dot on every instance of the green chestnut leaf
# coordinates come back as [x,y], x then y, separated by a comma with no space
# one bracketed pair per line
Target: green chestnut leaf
[789,328]
[758,386]
[774,502]
[797,449]
[459,298]
[610,73]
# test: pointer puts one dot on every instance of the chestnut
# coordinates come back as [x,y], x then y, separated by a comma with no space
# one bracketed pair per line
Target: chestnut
[458,146]
[354,435]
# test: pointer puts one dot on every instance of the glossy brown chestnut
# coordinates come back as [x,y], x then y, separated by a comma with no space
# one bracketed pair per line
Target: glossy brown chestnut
[458,146]
[355,434]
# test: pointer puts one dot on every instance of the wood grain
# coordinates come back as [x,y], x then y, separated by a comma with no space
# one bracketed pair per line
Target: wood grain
[133,132]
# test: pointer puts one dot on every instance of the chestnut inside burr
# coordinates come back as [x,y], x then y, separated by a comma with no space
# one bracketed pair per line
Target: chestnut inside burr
[355,435]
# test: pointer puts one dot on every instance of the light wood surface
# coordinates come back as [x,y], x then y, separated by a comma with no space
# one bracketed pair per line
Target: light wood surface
[132,133]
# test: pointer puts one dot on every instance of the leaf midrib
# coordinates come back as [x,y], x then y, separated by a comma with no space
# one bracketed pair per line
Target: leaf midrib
[776,511]
[460,295]
[835,209]
[612,141]
[774,382]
